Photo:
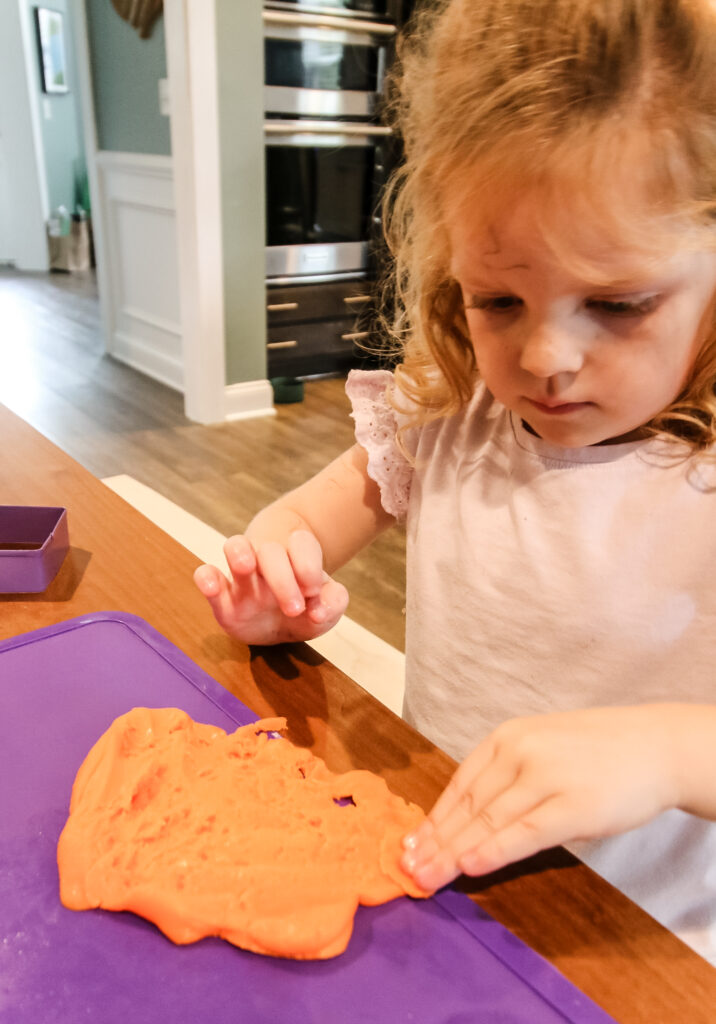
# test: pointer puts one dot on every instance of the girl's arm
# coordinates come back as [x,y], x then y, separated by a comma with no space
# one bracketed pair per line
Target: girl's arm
[280,588]
[538,782]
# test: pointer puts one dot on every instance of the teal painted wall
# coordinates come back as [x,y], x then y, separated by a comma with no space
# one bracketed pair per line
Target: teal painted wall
[239,31]
[60,118]
[125,82]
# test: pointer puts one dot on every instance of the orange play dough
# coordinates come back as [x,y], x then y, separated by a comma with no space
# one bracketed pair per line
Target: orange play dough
[236,835]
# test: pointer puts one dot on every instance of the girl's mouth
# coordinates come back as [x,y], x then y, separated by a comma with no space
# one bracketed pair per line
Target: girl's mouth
[558,408]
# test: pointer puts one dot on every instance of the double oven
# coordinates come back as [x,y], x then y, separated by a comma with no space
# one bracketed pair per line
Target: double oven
[327,158]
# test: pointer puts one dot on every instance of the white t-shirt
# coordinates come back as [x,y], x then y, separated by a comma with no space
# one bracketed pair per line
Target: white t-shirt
[546,579]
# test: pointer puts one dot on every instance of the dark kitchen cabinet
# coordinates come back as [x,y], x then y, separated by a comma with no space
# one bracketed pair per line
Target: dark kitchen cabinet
[320,328]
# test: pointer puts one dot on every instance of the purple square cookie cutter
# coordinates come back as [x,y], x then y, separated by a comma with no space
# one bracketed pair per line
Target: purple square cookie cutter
[33,543]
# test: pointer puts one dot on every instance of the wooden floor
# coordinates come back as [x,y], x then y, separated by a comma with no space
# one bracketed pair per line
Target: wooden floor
[114,420]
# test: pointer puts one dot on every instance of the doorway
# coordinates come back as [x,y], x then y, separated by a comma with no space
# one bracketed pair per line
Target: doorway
[24,203]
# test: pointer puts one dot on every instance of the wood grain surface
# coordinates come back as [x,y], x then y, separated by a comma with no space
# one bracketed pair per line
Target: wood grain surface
[115,420]
[603,943]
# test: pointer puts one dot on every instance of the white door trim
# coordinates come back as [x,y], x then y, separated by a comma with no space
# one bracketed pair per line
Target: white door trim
[24,199]
[28,42]
[190,33]
[97,199]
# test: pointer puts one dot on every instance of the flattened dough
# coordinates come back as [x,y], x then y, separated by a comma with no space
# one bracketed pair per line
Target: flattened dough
[243,835]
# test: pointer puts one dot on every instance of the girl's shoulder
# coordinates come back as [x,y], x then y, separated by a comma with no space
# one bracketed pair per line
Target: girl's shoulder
[377,426]
[397,436]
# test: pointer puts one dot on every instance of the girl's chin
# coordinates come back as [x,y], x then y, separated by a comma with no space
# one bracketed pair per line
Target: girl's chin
[582,439]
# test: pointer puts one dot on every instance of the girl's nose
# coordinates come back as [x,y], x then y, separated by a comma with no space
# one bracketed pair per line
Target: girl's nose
[549,351]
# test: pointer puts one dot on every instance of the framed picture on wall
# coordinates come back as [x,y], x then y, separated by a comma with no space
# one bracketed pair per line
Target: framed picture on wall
[51,47]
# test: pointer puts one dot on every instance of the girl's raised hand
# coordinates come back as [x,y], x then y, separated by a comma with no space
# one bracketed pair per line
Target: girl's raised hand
[542,781]
[277,593]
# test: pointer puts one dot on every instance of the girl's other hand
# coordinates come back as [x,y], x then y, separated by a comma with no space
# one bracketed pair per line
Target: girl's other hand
[276,593]
[543,781]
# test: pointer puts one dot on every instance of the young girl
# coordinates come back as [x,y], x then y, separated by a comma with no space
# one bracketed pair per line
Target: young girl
[549,438]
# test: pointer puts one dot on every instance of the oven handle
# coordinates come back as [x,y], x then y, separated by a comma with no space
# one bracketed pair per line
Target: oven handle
[374,28]
[325,128]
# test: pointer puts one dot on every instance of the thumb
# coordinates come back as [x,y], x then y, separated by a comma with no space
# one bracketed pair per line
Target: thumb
[326,608]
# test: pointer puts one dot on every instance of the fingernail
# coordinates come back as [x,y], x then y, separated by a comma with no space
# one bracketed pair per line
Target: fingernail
[208,585]
[295,606]
[410,841]
[408,862]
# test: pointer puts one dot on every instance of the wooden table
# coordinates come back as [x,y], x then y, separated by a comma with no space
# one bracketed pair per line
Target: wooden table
[119,560]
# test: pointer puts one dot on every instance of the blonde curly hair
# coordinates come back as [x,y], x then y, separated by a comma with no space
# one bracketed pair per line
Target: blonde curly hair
[494,96]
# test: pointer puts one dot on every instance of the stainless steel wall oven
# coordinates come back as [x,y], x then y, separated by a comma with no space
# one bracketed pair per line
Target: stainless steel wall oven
[322,185]
[323,66]
[327,159]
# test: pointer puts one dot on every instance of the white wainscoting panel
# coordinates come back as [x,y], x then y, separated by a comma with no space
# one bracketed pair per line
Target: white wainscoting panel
[137,192]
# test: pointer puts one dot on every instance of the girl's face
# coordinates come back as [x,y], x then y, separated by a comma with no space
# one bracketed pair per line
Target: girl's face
[582,356]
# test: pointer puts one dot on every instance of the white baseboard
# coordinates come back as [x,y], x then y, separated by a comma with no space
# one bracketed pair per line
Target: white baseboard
[248,399]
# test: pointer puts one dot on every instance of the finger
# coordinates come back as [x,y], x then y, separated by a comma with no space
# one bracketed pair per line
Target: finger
[431,855]
[306,557]
[422,843]
[276,570]
[543,827]
[438,872]
[240,556]
[217,590]
[328,606]
[208,580]
[462,782]
[478,780]
[515,803]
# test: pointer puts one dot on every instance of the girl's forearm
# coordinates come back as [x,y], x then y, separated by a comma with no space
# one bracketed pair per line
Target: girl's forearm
[693,731]
[340,506]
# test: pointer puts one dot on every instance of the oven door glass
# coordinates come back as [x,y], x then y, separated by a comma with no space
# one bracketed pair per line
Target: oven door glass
[315,194]
[321,191]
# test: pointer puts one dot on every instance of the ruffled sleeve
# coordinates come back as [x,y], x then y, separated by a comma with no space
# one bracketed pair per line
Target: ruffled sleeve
[377,424]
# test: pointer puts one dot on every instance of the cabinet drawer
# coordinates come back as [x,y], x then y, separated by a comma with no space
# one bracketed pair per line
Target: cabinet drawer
[312,336]
[322,347]
[298,303]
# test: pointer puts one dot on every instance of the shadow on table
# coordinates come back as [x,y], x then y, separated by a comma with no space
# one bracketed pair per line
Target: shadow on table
[65,583]
[323,706]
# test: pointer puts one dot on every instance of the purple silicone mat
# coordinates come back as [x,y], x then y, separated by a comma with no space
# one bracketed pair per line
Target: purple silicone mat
[426,962]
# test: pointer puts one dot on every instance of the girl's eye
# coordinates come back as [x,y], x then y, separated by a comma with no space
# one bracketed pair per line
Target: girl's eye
[625,307]
[495,303]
